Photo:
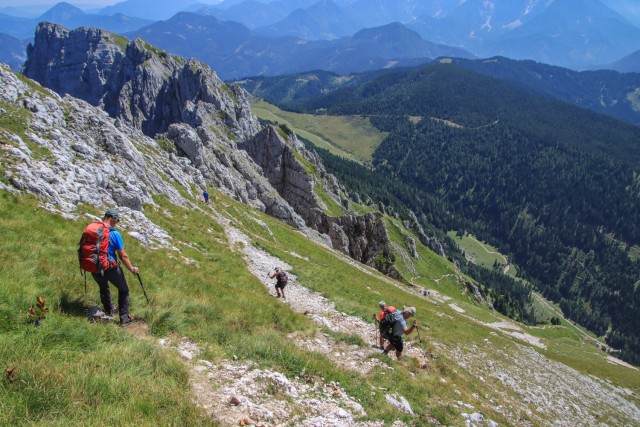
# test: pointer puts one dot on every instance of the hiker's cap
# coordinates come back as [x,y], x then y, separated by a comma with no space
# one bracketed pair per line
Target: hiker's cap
[382,304]
[112,213]
[410,310]
[277,269]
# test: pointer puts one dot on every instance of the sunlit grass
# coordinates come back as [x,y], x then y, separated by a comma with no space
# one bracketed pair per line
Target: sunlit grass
[350,137]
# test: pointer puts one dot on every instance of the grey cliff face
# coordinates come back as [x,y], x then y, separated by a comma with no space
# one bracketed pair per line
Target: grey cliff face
[362,237]
[276,157]
[135,82]
[85,63]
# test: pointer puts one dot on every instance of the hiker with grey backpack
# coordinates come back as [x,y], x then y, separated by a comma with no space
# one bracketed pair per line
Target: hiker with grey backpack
[394,326]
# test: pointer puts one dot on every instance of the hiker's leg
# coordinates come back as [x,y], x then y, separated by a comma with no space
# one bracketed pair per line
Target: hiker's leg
[282,289]
[105,292]
[395,343]
[399,347]
[388,348]
[116,277]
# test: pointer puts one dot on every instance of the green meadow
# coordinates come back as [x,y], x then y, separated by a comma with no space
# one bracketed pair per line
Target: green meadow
[351,137]
[483,254]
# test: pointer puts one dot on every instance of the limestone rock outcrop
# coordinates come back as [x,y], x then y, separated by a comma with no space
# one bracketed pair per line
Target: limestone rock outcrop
[135,82]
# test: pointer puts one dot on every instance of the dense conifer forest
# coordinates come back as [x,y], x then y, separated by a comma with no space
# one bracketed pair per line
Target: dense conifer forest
[555,187]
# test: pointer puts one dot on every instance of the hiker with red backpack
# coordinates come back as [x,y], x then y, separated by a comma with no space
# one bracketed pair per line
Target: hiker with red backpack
[281,281]
[395,326]
[378,318]
[97,251]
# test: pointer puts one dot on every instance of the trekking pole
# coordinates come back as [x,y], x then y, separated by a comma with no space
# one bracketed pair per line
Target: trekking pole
[424,353]
[142,286]
[375,325]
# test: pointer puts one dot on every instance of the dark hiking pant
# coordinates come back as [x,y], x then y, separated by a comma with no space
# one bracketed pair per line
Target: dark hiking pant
[116,277]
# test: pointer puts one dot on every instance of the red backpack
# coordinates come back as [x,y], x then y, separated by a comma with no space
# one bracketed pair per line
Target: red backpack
[93,248]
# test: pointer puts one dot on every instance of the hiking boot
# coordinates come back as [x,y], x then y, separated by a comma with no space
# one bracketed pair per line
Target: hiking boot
[127,322]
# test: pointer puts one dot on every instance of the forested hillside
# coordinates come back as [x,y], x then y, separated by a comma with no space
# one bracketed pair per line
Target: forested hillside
[554,186]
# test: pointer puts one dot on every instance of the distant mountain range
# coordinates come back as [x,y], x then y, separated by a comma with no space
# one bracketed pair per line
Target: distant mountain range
[628,64]
[235,51]
[70,17]
[149,10]
[576,34]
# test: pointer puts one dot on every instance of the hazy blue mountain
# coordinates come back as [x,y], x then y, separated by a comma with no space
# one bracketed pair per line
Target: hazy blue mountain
[13,26]
[13,51]
[324,20]
[70,17]
[62,12]
[628,64]
[23,11]
[374,13]
[254,13]
[148,9]
[630,9]
[235,51]
[571,33]
[472,22]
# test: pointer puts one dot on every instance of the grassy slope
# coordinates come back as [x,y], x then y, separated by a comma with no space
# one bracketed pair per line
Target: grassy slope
[350,137]
[71,372]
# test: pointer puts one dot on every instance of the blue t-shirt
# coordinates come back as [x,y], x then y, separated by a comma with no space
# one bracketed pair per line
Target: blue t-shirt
[115,244]
[397,315]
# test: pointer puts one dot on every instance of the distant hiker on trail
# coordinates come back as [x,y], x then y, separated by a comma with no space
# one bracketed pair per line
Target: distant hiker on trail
[107,269]
[378,318]
[281,281]
[399,328]
[205,194]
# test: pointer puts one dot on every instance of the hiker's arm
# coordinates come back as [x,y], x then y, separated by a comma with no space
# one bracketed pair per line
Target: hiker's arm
[409,330]
[124,258]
